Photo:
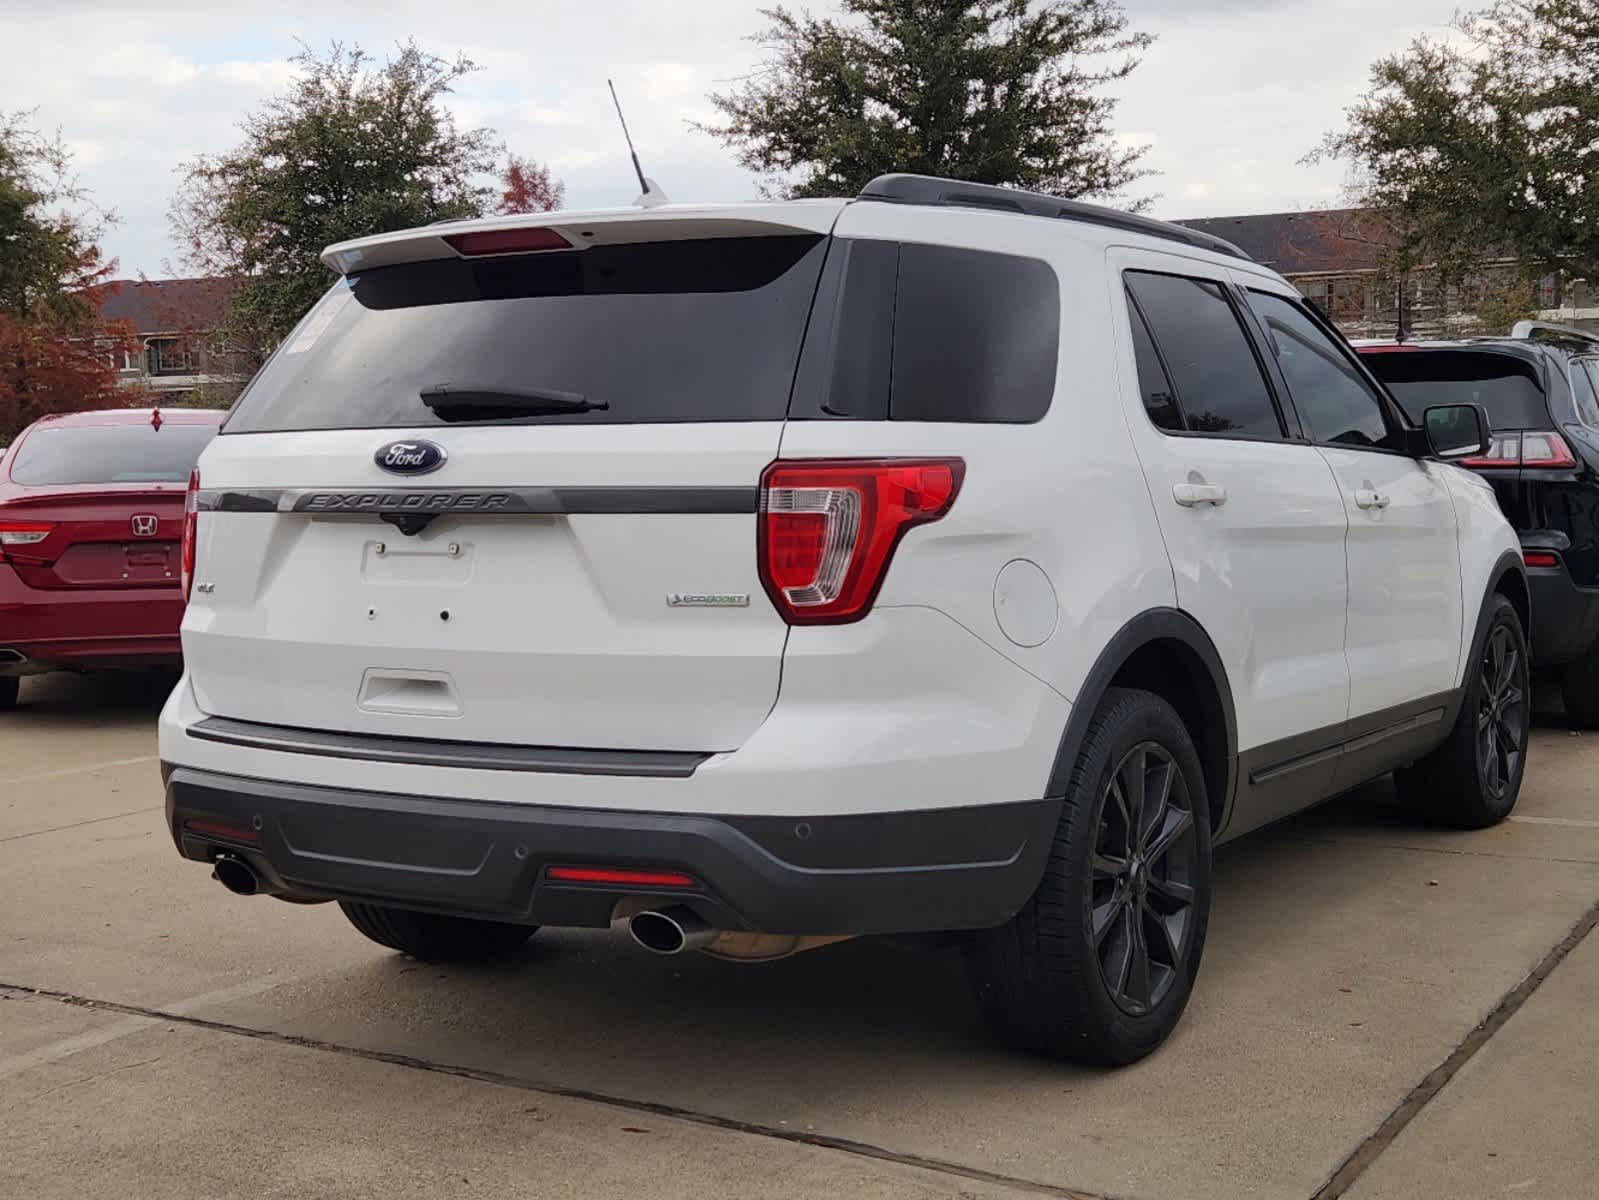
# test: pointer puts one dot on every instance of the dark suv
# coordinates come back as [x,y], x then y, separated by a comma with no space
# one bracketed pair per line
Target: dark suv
[1541,389]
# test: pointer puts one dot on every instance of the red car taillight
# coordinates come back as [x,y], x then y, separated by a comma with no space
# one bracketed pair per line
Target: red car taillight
[22,533]
[191,522]
[829,528]
[1536,448]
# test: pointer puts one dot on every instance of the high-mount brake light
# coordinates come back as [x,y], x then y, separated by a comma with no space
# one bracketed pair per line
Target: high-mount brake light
[191,524]
[506,241]
[829,528]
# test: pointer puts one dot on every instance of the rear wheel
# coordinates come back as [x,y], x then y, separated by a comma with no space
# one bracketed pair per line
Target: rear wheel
[10,687]
[1579,688]
[434,938]
[1473,779]
[1098,966]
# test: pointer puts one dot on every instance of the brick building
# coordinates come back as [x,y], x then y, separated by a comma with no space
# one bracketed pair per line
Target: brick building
[1334,257]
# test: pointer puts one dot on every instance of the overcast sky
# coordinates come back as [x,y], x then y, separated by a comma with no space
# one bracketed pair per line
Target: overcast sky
[1231,96]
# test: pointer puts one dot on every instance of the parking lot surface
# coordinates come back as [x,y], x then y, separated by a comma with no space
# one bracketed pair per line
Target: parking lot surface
[162,1037]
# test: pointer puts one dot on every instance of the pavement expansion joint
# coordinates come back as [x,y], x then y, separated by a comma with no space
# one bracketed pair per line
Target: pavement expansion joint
[1368,1151]
[541,1087]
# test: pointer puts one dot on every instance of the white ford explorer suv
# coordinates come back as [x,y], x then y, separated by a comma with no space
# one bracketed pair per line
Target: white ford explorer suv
[946,559]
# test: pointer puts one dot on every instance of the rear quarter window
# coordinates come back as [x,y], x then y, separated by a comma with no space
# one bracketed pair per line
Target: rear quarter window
[913,332]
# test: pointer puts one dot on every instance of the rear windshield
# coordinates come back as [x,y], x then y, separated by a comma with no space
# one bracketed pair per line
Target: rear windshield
[1507,387]
[110,454]
[705,330]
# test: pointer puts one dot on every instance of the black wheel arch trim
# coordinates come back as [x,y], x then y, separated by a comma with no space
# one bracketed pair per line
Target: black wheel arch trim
[1149,626]
[1509,563]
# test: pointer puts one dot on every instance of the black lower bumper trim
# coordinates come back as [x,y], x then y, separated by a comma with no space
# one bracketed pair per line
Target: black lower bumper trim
[1565,617]
[904,872]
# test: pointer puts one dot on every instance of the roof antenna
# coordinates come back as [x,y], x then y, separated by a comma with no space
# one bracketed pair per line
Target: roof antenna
[650,194]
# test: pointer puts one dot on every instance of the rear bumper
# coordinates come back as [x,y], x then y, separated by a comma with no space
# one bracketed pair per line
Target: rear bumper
[1565,617]
[75,627]
[892,872]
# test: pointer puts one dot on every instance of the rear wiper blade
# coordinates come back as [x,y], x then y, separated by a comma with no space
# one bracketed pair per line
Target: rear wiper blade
[469,402]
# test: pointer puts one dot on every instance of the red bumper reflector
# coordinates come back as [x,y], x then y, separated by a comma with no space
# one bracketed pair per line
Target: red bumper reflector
[223,829]
[620,877]
[1540,558]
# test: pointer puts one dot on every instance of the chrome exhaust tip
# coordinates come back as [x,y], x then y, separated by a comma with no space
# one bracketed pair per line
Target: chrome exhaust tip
[233,873]
[671,930]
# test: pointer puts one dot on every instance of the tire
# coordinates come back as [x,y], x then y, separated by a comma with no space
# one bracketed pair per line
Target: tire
[1044,980]
[1579,688]
[1472,780]
[434,938]
[10,688]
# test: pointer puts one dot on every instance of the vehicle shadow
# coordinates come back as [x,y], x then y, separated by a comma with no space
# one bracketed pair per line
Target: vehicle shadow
[99,695]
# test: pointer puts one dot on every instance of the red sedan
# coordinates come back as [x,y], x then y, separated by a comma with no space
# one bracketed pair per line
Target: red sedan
[91,525]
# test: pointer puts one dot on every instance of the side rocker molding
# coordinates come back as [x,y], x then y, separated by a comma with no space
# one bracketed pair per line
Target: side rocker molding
[1152,625]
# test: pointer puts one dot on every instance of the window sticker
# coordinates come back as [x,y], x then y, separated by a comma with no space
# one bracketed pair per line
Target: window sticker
[317,323]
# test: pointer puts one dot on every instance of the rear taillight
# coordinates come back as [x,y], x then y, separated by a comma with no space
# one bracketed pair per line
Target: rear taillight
[191,523]
[1540,558]
[829,528]
[21,533]
[1547,450]
[1535,448]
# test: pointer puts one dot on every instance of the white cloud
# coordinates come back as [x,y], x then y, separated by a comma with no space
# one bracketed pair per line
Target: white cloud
[1230,98]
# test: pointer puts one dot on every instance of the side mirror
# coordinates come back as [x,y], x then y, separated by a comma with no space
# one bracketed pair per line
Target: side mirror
[1456,430]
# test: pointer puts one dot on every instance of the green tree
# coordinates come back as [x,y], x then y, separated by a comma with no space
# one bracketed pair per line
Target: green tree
[994,91]
[49,252]
[56,354]
[352,148]
[1486,146]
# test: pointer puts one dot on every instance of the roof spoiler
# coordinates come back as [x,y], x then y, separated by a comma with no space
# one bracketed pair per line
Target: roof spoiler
[931,190]
[1548,331]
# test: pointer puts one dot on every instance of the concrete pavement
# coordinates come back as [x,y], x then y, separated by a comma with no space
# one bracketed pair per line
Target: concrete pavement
[264,1048]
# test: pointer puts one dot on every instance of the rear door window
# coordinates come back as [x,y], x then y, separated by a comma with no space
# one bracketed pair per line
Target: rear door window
[1585,386]
[100,454]
[690,330]
[1505,384]
[1334,400]
[1220,389]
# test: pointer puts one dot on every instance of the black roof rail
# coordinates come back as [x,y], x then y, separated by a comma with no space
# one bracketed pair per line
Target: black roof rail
[929,189]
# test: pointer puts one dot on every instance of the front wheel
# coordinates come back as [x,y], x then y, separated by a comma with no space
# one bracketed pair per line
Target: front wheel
[10,688]
[1472,780]
[1098,966]
[435,938]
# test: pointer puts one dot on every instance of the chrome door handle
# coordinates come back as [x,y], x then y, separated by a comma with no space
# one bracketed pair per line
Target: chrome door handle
[1366,498]
[1190,495]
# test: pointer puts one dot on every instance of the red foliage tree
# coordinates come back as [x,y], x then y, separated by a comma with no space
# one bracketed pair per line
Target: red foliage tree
[528,187]
[53,365]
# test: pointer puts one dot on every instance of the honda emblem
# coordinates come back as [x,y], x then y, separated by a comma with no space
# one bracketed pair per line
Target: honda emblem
[145,524]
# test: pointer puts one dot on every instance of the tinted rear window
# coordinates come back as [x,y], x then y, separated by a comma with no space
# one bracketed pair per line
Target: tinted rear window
[1506,386]
[913,332]
[110,454]
[705,330]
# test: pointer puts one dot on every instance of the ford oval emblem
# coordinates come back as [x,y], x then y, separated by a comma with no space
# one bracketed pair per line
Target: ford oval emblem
[410,458]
